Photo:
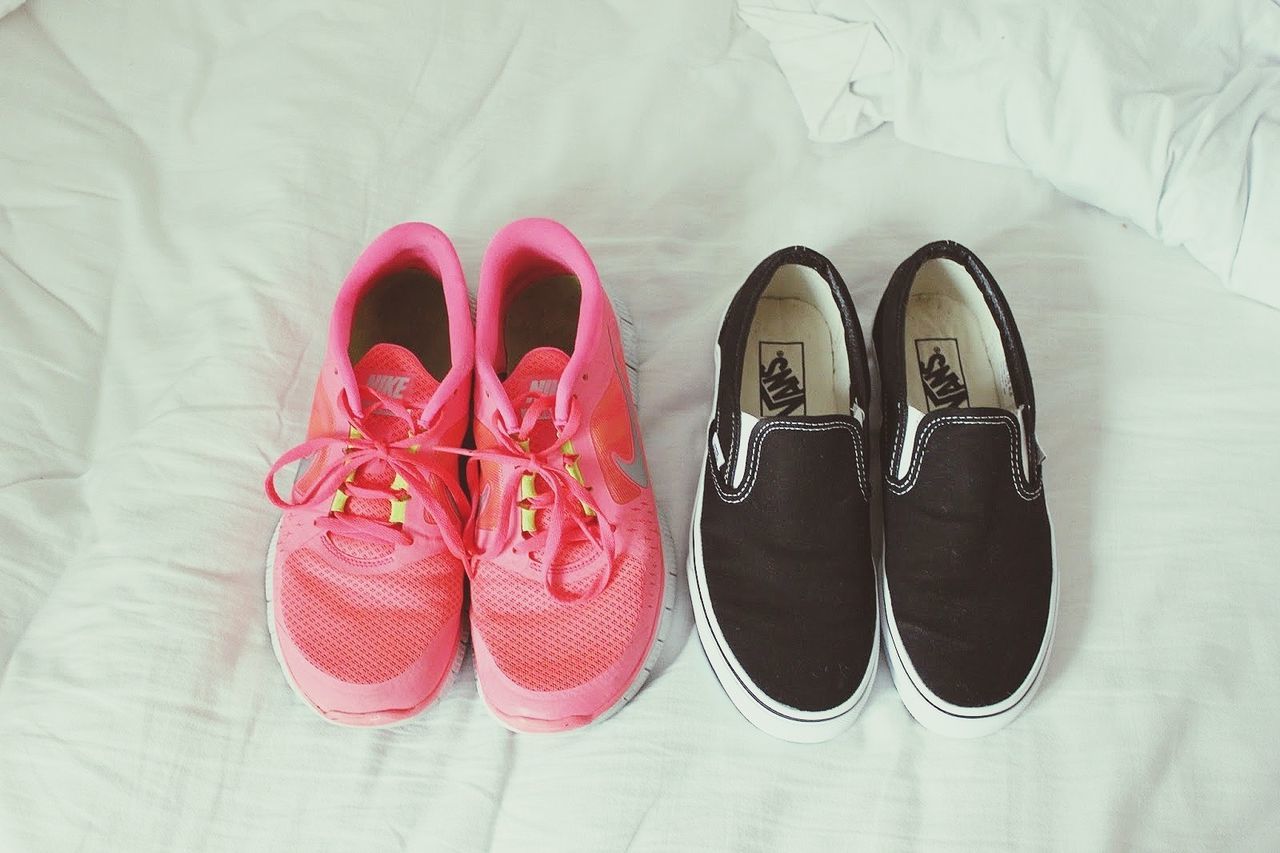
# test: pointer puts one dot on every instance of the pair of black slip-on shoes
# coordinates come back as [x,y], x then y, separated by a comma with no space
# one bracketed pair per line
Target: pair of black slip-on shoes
[789,605]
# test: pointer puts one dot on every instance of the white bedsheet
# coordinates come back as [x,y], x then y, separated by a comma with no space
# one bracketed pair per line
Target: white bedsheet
[182,187]
[1165,112]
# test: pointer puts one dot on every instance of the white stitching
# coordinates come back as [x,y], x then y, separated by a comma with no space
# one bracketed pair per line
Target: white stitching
[899,440]
[753,464]
[741,493]
[1020,484]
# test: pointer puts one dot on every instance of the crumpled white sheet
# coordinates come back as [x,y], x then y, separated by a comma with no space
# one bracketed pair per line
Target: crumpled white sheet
[183,185]
[1165,112]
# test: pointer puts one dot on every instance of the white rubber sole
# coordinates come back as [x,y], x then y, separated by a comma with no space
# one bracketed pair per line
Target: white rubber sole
[626,328]
[458,656]
[766,714]
[942,717]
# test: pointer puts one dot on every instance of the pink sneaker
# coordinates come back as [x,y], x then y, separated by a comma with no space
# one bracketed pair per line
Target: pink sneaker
[569,583]
[364,573]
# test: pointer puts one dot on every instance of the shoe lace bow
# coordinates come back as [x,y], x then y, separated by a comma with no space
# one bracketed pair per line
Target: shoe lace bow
[547,482]
[409,460]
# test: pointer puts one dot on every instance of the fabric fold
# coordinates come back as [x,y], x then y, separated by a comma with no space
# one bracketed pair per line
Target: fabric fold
[824,59]
[1166,114]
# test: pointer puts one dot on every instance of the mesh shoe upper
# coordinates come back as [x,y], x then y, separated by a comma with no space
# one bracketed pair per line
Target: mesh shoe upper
[363,610]
[366,584]
[560,637]
[542,644]
[367,629]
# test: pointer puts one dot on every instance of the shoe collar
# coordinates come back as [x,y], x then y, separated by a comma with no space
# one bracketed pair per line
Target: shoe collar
[410,245]
[735,330]
[890,325]
[521,253]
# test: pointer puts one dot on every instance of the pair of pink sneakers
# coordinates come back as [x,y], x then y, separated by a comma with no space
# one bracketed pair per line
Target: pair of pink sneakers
[557,528]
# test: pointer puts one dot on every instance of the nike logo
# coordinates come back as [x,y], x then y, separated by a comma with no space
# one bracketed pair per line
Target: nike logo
[388,385]
[544,386]
[941,373]
[634,468]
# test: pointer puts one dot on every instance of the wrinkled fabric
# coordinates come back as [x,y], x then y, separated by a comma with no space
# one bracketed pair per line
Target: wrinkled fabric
[1164,113]
[183,186]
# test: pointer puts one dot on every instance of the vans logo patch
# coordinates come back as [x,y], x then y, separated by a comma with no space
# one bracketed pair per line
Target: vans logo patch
[941,373]
[781,378]
[388,385]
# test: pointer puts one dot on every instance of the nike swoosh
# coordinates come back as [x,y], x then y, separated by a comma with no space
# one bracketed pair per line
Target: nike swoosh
[635,468]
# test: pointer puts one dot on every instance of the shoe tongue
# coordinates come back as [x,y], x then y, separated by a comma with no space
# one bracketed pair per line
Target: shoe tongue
[397,374]
[394,372]
[537,375]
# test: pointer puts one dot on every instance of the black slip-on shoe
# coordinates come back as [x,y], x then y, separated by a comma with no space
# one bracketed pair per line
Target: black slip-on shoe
[780,564]
[970,582]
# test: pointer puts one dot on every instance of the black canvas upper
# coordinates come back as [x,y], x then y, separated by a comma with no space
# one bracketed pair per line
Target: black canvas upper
[968,550]
[786,552]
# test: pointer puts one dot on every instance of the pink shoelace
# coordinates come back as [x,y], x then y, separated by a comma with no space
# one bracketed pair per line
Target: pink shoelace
[568,505]
[408,457]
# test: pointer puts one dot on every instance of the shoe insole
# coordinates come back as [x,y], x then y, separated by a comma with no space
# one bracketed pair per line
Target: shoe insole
[406,308]
[542,314]
[954,355]
[790,367]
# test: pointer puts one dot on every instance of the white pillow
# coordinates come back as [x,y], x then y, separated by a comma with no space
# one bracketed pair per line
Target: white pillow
[1165,112]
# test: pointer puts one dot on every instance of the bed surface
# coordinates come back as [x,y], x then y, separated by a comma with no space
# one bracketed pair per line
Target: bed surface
[183,187]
